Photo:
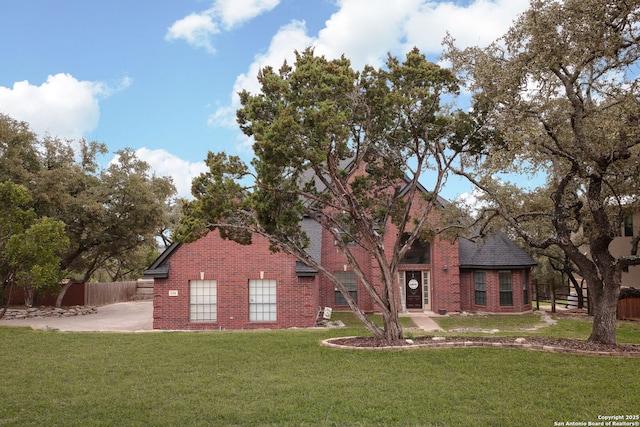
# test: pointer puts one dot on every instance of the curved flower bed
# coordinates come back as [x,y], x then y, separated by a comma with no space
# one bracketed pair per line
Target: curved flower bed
[554,345]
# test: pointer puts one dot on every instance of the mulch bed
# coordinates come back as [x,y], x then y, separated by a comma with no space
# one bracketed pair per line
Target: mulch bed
[557,345]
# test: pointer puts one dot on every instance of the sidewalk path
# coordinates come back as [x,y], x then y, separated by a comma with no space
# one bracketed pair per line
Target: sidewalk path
[424,322]
[134,316]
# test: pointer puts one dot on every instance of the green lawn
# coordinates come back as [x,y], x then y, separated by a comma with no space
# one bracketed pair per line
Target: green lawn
[286,378]
[489,322]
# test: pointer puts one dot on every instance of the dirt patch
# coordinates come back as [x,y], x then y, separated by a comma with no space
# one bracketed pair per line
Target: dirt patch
[557,345]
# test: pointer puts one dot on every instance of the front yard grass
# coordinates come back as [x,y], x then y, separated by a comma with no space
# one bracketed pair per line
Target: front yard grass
[287,378]
[489,322]
[566,326]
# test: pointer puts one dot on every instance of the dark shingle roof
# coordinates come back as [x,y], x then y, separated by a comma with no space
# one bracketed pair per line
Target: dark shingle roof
[496,251]
[159,269]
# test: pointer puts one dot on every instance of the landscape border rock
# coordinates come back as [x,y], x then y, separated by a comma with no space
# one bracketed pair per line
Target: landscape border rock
[43,312]
[552,345]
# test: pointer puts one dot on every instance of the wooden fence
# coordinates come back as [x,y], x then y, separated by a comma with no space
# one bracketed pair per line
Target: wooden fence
[90,293]
[629,308]
[565,297]
[99,293]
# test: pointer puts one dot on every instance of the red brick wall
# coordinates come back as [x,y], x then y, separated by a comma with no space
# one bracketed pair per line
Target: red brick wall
[335,261]
[445,276]
[493,292]
[232,265]
[445,281]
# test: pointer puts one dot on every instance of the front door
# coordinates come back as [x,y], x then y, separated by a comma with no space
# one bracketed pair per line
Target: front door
[413,289]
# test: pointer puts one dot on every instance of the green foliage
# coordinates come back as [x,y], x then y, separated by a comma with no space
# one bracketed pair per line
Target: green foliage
[18,157]
[561,88]
[15,217]
[34,254]
[30,247]
[109,213]
[15,206]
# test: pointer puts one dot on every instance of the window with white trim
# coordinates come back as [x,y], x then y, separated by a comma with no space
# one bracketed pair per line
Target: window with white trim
[262,300]
[203,301]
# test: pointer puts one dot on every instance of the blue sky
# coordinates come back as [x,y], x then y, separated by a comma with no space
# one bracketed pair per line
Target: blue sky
[159,76]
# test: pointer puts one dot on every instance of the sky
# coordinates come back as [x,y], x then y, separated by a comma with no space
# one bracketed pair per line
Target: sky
[162,76]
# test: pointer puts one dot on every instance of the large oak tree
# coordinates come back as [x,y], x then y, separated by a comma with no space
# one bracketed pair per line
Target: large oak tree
[562,88]
[109,212]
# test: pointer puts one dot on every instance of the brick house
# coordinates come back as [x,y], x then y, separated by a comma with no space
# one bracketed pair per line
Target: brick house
[219,284]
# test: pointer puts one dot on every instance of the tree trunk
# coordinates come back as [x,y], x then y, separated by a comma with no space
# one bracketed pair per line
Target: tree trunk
[63,291]
[577,288]
[29,294]
[605,309]
[6,306]
[392,328]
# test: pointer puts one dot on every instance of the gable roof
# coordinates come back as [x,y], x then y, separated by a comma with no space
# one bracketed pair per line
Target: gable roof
[422,189]
[159,269]
[496,251]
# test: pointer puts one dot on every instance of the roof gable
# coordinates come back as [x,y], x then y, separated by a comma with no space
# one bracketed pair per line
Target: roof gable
[159,269]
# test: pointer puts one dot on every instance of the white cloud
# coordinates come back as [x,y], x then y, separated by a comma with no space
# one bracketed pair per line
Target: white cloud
[365,30]
[198,29]
[288,39]
[195,29]
[235,12]
[166,164]
[62,106]
[477,24]
[471,201]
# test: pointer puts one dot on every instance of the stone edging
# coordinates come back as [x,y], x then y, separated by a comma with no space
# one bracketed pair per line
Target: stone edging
[38,313]
[481,344]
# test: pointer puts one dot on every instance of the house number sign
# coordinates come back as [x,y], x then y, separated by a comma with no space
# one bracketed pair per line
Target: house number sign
[413,284]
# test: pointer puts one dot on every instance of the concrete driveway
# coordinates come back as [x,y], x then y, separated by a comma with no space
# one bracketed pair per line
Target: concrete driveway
[135,316]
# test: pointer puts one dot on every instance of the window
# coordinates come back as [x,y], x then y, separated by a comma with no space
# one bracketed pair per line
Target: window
[480,286]
[418,253]
[506,290]
[525,286]
[262,300]
[202,301]
[628,226]
[348,279]
[425,288]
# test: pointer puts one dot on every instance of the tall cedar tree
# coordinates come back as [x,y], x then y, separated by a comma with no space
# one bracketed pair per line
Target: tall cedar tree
[337,146]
